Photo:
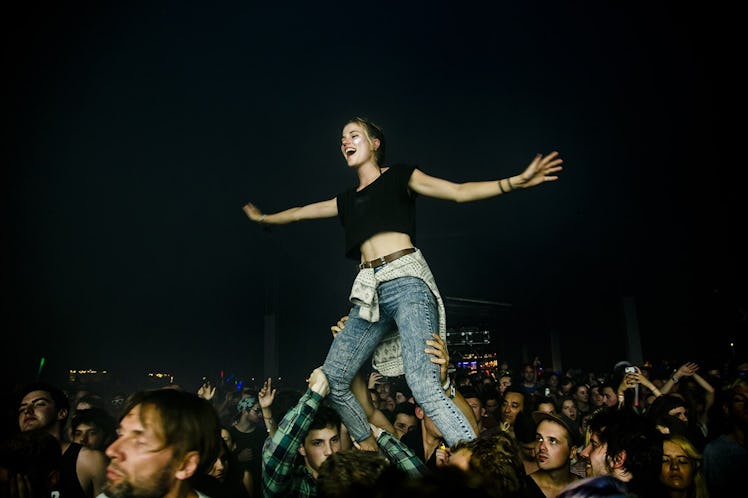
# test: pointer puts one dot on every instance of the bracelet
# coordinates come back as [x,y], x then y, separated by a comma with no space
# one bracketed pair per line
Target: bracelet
[262,218]
[502,188]
[674,379]
[447,384]
[509,181]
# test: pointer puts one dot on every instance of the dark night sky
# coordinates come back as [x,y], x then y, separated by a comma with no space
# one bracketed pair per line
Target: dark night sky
[138,130]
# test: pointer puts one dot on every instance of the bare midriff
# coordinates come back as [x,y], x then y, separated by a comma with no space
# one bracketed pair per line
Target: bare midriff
[384,243]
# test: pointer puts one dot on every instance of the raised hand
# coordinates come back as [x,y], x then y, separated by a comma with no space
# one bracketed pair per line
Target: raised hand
[442,455]
[440,355]
[686,370]
[374,378]
[318,382]
[337,328]
[266,396]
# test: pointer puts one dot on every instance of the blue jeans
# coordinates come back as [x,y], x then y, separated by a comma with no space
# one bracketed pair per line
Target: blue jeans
[408,305]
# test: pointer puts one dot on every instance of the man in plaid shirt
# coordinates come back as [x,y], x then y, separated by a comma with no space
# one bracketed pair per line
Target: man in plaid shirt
[313,432]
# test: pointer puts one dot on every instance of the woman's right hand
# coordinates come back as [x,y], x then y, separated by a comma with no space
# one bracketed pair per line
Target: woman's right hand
[252,212]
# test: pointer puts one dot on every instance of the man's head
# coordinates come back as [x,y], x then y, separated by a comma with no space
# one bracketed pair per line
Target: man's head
[565,385]
[492,401]
[625,445]
[544,404]
[42,406]
[166,436]
[596,396]
[402,391]
[528,373]
[322,439]
[558,440]
[405,419]
[514,402]
[734,404]
[524,432]
[608,391]
[504,381]
[475,402]
[496,459]
[427,425]
[350,472]
[248,410]
[94,428]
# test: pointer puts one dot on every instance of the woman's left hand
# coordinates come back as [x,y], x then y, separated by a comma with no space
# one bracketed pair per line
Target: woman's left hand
[541,169]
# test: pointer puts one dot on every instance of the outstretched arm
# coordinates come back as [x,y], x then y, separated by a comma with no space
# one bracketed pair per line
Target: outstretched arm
[689,370]
[541,169]
[323,209]
[266,396]
[279,451]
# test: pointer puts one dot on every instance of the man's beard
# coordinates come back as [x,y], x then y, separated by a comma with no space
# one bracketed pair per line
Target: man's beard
[156,487]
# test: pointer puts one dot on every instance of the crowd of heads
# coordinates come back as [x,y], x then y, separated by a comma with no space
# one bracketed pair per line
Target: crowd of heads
[533,429]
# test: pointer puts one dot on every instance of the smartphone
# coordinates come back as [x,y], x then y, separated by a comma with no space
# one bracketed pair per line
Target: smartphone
[630,370]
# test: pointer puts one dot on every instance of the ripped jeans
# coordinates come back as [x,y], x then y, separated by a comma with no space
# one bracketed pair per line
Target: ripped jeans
[408,305]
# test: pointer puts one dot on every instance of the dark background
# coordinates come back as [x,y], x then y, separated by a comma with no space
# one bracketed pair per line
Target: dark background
[135,131]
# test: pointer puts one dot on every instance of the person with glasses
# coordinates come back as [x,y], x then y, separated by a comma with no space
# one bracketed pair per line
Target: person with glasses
[249,435]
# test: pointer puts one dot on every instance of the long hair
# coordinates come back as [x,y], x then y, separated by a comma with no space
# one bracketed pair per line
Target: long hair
[634,435]
[698,488]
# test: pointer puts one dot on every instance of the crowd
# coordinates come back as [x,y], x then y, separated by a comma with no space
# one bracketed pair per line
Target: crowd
[382,415]
[633,431]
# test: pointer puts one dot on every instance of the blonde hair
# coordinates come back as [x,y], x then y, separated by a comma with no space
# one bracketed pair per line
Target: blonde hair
[698,488]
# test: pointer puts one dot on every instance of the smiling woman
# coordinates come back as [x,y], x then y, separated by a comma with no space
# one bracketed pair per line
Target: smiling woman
[396,303]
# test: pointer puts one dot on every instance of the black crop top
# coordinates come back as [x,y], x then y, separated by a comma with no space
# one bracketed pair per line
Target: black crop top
[385,205]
